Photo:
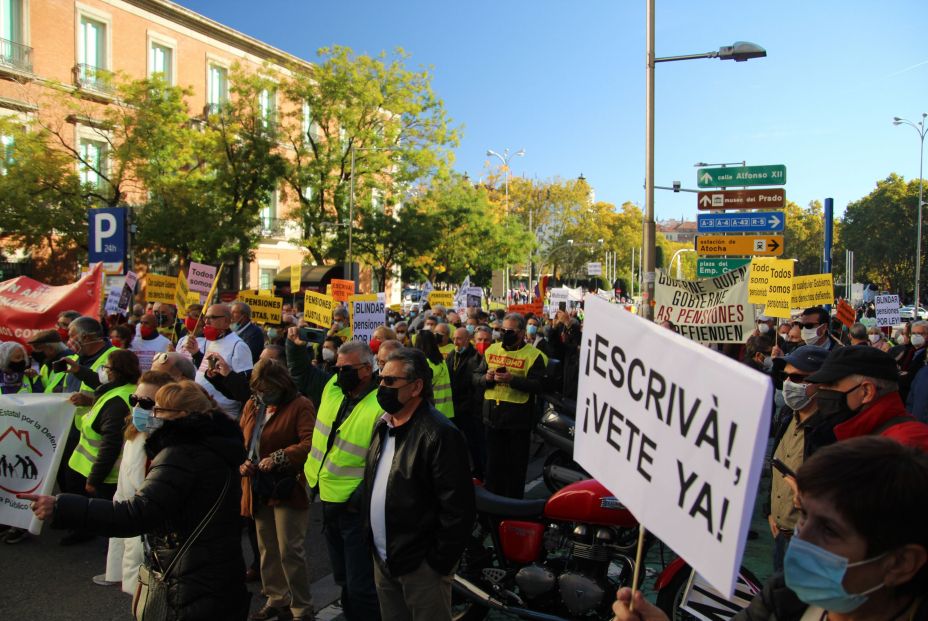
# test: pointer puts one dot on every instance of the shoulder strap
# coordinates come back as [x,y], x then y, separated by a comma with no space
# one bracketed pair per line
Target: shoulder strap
[892,422]
[201,526]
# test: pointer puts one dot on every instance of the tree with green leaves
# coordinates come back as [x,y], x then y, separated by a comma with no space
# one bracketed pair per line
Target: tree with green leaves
[373,108]
[880,229]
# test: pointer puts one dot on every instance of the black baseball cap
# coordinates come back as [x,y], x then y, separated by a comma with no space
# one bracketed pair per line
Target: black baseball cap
[856,360]
[808,358]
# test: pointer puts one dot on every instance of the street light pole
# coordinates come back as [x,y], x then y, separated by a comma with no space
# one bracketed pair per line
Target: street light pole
[920,128]
[739,52]
[350,266]
[504,158]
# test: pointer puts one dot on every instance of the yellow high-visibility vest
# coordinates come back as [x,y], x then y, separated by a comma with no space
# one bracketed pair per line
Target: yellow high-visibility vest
[518,363]
[88,447]
[441,389]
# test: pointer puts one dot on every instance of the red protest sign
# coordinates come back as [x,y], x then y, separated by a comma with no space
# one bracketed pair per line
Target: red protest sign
[28,306]
[342,289]
[535,308]
[846,313]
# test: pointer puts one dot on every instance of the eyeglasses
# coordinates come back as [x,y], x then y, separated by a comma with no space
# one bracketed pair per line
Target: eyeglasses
[142,402]
[350,366]
[389,380]
[810,326]
[798,378]
[214,317]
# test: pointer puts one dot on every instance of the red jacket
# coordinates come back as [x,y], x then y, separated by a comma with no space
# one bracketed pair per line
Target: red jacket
[911,433]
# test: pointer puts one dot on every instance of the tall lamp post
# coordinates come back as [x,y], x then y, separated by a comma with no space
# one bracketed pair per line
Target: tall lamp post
[920,128]
[505,158]
[739,51]
[680,262]
[349,267]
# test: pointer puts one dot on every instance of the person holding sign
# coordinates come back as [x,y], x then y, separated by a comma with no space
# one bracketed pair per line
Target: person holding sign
[246,330]
[221,340]
[512,372]
[47,348]
[848,561]
[149,341]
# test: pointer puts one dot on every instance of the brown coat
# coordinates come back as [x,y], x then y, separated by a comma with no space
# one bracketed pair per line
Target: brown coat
[289,429]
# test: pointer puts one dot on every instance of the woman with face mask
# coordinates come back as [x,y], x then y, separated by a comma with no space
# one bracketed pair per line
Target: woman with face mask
[860,551]
[187,507]
[16,372]
[277,425]
[124,555]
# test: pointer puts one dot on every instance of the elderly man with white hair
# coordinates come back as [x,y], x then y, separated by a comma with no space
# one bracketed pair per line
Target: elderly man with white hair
[16,373]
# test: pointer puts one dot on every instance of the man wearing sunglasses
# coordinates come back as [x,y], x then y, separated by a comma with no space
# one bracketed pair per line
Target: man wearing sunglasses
[814,322]
[334,470]
[792,440]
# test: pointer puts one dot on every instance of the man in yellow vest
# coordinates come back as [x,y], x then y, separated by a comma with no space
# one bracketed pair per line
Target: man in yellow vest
[334,470]
[512,372]
[47,349]
[443,336]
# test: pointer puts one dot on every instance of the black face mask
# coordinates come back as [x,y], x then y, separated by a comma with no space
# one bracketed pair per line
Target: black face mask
[348,379]
[270,397]
[832,404]
[510,338]
[389,400]
[17,367]
[38,356]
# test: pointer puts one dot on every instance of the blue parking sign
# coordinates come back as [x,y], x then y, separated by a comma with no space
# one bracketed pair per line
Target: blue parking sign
[106,241]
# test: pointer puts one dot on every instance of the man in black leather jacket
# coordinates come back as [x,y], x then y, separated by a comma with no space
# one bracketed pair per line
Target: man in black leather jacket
[419,494]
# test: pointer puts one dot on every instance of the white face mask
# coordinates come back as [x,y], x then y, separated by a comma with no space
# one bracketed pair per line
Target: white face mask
[763,328]
[104,375]
[328,355]
[874,338]
[794,395]
[917,340]
[810,335]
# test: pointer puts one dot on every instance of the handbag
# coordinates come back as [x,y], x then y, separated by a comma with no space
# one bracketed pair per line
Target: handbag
[150,601]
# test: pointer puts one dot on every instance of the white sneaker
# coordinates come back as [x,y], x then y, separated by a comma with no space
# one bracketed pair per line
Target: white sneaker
[101,580]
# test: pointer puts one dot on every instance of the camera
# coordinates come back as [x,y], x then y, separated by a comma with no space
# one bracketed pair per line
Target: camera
[59,365]
[312,335]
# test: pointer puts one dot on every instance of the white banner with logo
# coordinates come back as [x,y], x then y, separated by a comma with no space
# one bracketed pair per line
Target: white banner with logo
[33,431]
[707,310]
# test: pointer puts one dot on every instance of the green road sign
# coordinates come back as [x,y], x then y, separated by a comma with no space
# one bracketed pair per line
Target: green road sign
[774,174]
[710,268]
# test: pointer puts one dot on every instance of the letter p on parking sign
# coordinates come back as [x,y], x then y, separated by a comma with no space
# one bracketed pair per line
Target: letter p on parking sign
[107,235]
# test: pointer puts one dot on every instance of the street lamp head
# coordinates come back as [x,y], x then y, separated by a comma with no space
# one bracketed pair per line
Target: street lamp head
[521,152]
[741,51]
[490,152]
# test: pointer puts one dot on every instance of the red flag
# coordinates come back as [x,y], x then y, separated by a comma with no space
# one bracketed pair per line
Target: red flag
[28,306]
[846,313]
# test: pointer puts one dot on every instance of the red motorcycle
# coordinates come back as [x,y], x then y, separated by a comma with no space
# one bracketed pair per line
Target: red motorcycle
[556,559]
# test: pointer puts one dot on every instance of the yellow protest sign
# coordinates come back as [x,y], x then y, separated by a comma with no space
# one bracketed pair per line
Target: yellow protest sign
[758,280]
[342,289]
[445,298]
[396,308]
[779,288]
[182,294]
[264,308]
[193,297]
[296,276]
[160,288]
[814,290]
[317,308]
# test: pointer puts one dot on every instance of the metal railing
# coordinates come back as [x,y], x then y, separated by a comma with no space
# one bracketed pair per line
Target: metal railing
[16,55]
[94,78]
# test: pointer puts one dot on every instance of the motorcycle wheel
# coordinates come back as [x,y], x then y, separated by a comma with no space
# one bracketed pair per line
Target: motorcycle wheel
[557,458]
[670,597]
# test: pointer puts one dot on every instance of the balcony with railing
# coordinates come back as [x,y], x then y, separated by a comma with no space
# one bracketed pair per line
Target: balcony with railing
[279,228]
[15,56]
[92,78]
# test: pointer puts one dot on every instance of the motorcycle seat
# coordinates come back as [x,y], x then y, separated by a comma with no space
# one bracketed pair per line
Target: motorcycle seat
[494,504]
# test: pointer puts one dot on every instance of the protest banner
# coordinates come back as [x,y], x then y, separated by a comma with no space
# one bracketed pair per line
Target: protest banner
[28,306]
[758,280]
[160,288]
[111,305]
[814,290]
[558,300]
[473,297]
[296,278]
[182,295]
[128,289]
[887,310]
[445,298]
[264,308]
[33,431]
[200,277]
[779,287]
[708,310]
[342,289]
[536,308]
[317,308]
[682,450]
[367,314]
[845,313]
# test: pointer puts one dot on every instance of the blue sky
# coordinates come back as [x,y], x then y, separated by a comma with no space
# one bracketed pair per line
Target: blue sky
[566,80]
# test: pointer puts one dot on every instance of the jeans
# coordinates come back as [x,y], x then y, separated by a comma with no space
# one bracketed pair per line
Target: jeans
[420,595]
[352,566]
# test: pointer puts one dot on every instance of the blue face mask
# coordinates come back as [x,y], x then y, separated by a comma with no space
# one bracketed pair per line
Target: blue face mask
[816,576]
[470,328]
[154,423]
[532,330]
[140,418]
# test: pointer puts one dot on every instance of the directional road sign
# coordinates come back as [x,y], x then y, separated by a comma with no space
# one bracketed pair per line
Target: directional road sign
[710,268]
[725,245]
[741,176]
[770,198]
[745,222]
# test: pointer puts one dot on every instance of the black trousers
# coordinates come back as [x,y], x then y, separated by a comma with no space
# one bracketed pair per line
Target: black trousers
[507,461]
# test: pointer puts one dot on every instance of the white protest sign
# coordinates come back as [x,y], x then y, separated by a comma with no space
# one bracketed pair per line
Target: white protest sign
[367,314]
[558,300]
[682,449]
[200,277]
[708,310]
[128,288]
[594,269]
[111,307]
[887,310]
[474,296]
[33,430]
